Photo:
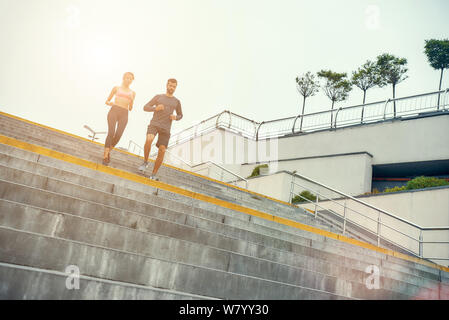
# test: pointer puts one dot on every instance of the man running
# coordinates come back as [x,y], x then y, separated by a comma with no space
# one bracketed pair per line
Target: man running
[163,106]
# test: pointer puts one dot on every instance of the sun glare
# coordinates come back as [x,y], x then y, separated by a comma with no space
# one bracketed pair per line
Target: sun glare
[100,56]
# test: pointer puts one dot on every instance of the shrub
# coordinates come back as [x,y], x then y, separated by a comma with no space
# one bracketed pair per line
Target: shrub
[375,191]
[425,182]
[256,170]
[395,189]
[420,183]
[306,194]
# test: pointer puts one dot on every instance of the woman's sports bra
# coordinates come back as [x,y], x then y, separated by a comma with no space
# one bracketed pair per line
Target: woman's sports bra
[122,94]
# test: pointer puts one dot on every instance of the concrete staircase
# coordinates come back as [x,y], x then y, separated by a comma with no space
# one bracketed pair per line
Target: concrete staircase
[186,237]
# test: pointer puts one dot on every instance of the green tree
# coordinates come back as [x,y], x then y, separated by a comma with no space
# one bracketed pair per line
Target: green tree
[366,77]
[336,86]
[437,52]
[307,86]
[392,70]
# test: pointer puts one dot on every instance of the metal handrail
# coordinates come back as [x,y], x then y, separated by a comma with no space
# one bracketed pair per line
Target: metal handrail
[255,134]
[233,173]
[179,158]
[191,166]
[385,108]
[345,207]
[380,223]
[211,162]
[355,199]
[131,142]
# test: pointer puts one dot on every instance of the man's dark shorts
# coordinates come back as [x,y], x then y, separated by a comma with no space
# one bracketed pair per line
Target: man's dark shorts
[163,135]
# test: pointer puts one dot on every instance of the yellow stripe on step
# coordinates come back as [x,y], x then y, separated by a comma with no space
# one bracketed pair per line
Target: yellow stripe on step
[167,187]
[134,155]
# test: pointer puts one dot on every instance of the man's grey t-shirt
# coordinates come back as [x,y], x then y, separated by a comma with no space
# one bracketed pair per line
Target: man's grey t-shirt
[161,118]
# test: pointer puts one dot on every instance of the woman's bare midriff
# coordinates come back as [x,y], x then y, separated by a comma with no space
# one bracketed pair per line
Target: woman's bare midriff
[122,102]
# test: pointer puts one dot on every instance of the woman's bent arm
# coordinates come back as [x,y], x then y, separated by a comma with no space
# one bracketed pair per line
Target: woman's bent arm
[113,91]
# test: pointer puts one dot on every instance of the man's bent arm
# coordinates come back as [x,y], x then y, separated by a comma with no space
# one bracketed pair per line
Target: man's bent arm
[151,106]
[178,112]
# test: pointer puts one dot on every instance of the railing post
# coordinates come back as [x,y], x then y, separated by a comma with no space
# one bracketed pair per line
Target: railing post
[445,98]
[218,118]
[420,244]
[291,189]
[378,230]
[336,115]
[294,124]
[257,132]
[256,127]
[344,218]
[195,131]
[385,108]
[363,110]
[316,206]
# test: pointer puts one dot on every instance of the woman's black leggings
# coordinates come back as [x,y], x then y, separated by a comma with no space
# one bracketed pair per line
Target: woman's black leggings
[119,116]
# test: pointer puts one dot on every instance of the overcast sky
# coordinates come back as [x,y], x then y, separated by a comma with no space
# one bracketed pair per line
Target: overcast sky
[59,59]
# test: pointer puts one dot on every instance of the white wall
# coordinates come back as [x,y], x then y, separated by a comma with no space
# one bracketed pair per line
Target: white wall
[274,185]
[351,174]
[389,142]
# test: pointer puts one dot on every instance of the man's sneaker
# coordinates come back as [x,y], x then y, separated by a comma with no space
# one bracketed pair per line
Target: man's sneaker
[143,166]
[153,177]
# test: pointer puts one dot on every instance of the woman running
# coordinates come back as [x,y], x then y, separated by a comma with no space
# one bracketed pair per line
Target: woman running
[118,115]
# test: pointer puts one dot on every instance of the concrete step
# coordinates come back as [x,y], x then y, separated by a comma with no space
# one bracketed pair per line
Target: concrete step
[115,186]
[42,135]
[167,175]
[56,254]
[85,150]
[42,284]
[337,241]
[325,249]
[115,237]
[36,133]
[7,149]
[131,220]
[58,202]
[143,205]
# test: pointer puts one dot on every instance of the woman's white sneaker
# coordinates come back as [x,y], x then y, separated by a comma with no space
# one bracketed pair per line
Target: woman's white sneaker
[143,166]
